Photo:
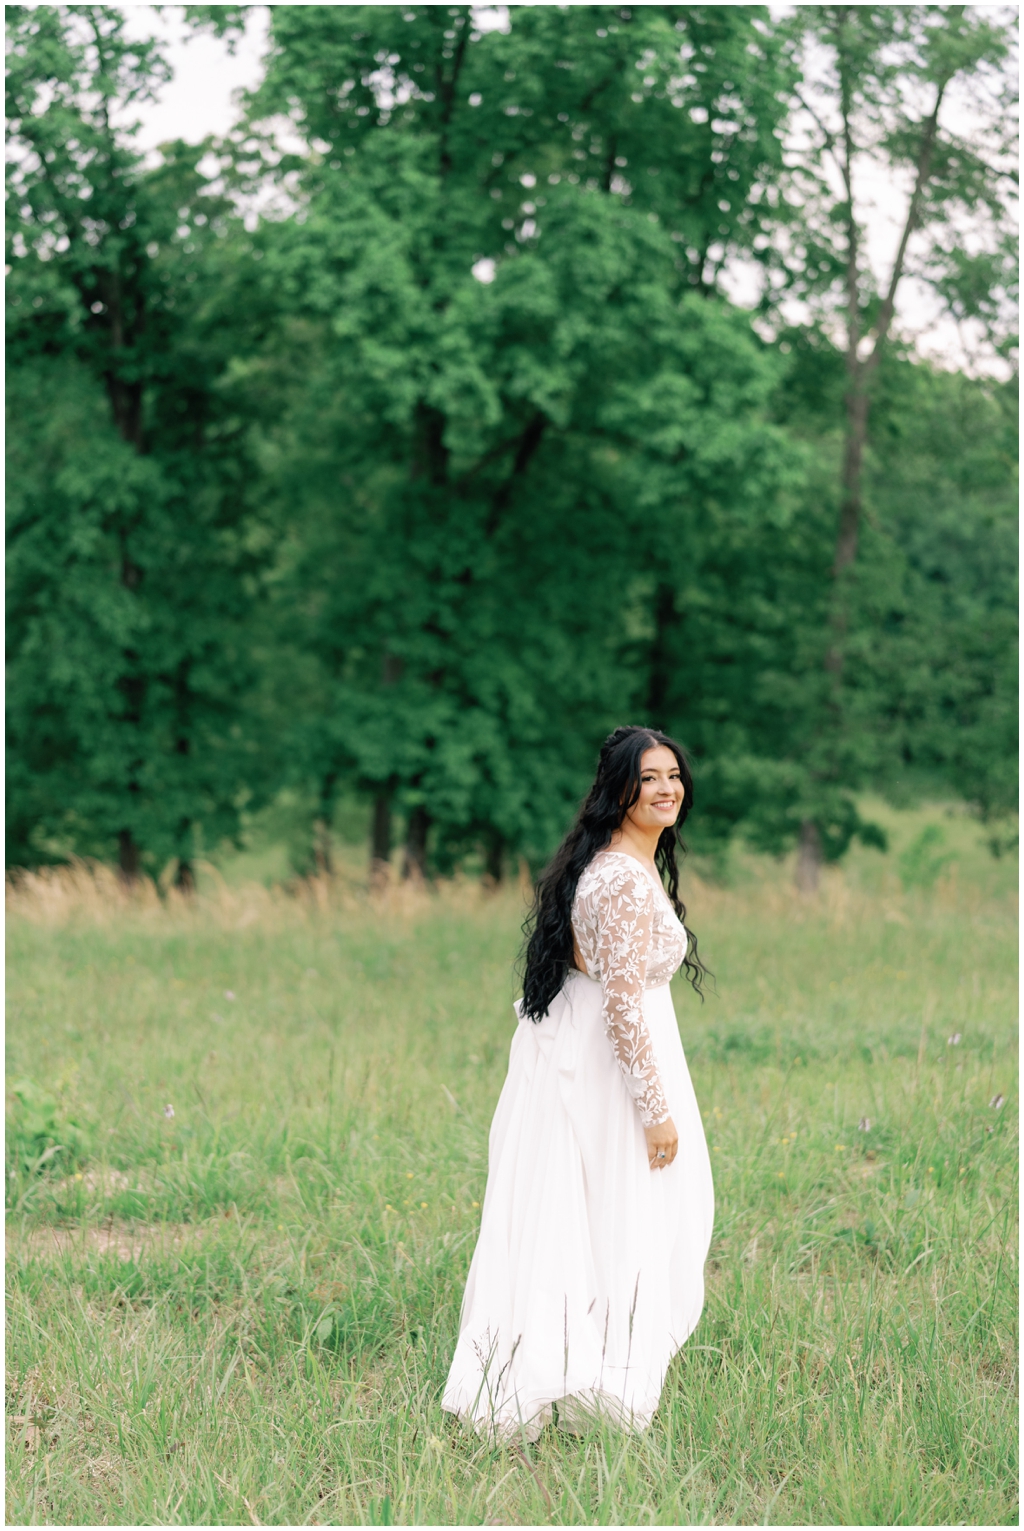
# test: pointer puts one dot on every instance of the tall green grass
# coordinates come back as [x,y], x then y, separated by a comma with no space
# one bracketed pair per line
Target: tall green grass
[244,1312]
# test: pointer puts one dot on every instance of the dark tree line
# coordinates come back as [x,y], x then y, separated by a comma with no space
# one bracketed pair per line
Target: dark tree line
[461,456]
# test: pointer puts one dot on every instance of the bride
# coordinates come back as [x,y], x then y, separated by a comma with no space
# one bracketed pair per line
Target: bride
[588,1274]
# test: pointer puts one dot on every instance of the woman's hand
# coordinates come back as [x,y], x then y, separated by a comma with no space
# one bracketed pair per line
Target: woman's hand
[662,1144]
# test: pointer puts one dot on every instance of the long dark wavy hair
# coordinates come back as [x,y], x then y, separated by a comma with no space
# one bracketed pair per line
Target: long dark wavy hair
[548,928]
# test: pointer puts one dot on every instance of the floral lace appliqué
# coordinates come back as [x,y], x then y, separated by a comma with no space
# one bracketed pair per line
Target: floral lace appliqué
[629,939]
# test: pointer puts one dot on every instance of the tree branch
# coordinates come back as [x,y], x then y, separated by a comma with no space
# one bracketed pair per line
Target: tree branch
[826,133]
[492,455]
[529,441]
[446,93]
[845,163]
[922,175]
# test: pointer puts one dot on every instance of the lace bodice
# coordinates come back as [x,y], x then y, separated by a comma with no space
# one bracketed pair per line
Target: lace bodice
[630,940]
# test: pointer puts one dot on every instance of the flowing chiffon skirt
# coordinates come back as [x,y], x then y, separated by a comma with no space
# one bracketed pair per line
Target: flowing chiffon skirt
[588,1274]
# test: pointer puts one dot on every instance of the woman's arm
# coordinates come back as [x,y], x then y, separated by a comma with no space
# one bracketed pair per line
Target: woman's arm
[625,918]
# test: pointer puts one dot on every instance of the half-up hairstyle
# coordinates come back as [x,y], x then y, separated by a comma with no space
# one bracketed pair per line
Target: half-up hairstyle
[616,789]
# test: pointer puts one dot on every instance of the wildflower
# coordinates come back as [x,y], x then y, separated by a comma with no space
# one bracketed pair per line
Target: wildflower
[864,1125]
[408,1175]
[476,1204]
[423,1204]
[997,1103]
[229,994]
[840,1148]
[955,1040]
[169,1112]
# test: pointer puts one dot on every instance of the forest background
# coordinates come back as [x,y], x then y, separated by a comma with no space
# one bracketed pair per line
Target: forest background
[368,464]
[365,466]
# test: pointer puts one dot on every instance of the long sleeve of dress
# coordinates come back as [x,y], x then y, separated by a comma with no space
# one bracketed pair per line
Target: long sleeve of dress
[625,914]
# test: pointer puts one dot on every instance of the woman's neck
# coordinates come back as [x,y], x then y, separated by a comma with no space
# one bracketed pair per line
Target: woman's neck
[641,844]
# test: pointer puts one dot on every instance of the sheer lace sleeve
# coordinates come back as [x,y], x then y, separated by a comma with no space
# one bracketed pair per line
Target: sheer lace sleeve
[625,915]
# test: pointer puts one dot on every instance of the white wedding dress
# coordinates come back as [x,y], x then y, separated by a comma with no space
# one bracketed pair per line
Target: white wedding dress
[588,1274]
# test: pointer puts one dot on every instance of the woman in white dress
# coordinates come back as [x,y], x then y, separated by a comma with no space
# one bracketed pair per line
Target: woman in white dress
[588,1273]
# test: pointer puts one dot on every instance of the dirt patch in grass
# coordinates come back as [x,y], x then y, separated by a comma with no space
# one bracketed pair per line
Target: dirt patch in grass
[124,1240]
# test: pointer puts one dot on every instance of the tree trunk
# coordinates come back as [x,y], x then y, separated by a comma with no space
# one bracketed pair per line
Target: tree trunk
[808,857]
[414,866]
[850,510]
[494,858]
[529,443]
[127,857]
[380,839]
[431,455]
[853,466]
[860,371]
[660,679]
[185,878]
[322,858]
[322,844]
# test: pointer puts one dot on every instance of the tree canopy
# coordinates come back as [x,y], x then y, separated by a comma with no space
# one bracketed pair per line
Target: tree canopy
[459,455]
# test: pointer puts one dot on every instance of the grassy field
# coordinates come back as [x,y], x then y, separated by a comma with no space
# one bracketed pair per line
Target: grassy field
[233,1292]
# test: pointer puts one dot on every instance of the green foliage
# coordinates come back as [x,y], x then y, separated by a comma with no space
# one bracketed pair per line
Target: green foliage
[929,690]
[458,456]
[939,625]
[131,549]
[881,76]
[925,858]
[38,1131]
[565,502]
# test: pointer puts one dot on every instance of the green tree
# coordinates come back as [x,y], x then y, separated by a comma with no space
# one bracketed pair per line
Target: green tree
[460,457]
[890,77]
[929,689]
[130,534]
[932,682]
[490,474]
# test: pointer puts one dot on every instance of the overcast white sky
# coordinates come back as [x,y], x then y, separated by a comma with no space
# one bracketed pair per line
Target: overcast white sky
[201,99]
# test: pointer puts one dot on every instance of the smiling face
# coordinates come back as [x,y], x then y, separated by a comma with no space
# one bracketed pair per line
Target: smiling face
[661,790]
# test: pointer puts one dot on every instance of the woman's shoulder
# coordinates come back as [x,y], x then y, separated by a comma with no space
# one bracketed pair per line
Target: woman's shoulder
[617,873]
